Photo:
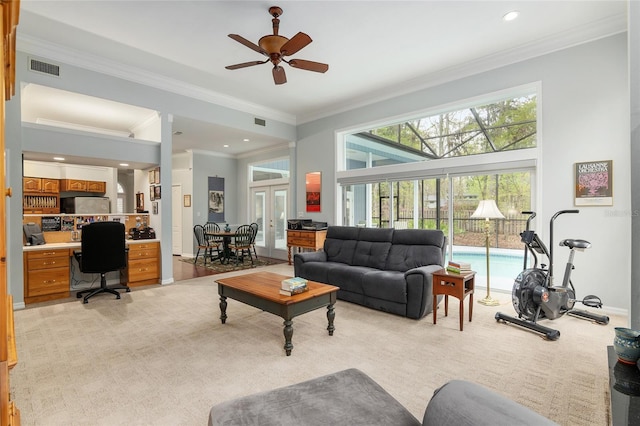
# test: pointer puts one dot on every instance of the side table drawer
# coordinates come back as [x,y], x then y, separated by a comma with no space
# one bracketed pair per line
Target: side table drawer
[47,262]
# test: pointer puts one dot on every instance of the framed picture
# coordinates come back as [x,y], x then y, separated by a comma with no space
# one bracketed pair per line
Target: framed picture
[152,177]
[152,193]
[187,200]
[594,183]
[157,192]
[156,174]
[155,207]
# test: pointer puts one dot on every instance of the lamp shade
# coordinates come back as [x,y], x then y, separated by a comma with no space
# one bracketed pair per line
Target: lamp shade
[487,209]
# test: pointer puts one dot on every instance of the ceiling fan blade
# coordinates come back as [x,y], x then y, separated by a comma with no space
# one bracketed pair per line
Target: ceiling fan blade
[309,65]
[294,44]
[279,77]
[245,64]
[248,43]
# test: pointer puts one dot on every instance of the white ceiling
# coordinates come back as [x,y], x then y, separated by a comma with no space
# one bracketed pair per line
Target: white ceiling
[375,50]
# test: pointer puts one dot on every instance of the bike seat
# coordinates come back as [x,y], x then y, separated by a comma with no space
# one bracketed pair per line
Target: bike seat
[577,244]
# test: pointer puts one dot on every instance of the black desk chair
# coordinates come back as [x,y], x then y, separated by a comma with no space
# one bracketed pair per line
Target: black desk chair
[103,250]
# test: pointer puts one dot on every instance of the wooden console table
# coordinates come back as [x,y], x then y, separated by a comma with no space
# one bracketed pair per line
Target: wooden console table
[310,239]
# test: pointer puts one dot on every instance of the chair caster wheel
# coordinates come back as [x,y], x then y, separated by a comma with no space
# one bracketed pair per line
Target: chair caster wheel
[128,290]
[118,297]
[85,301]
[78,296]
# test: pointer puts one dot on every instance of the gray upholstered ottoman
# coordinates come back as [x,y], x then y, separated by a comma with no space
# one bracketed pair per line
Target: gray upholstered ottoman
[347,397]
[350,397]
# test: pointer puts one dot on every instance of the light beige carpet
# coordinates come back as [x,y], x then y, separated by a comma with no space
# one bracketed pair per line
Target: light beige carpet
[160,356]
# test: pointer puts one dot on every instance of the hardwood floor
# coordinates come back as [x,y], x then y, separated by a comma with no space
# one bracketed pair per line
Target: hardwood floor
[185,270]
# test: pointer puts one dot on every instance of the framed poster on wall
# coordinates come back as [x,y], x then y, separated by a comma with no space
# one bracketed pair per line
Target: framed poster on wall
[594,183]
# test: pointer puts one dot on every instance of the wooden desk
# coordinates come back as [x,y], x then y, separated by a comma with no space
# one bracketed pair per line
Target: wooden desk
[456,285]
[310,239]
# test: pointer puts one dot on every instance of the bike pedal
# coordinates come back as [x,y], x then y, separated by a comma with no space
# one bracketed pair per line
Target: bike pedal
[592,301]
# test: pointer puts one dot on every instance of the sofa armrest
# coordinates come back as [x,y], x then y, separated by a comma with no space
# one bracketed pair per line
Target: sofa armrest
[299,259]
[420,290]
[462,403]
[310,256]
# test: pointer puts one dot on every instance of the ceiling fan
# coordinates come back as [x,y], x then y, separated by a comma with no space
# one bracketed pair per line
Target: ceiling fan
[275,47]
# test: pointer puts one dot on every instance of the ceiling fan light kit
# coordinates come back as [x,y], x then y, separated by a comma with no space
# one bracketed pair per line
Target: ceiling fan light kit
[275,47]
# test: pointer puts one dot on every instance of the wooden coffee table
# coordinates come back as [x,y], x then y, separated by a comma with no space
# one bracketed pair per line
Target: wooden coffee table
[262,290]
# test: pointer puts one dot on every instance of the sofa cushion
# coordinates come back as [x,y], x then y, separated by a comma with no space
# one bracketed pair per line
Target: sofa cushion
[340,243]
[349,278]
[386,285]
[412,248]
[373,247]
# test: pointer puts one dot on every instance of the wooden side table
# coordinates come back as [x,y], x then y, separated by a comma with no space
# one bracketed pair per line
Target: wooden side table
[456,285]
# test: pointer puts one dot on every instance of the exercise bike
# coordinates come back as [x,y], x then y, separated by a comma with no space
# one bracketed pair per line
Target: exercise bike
[534,294]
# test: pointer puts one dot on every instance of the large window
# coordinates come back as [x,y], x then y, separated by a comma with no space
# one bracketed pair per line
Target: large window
[504,125]
[432,172]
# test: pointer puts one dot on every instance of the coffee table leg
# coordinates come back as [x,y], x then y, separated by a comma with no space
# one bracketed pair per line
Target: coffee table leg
[223,309]
[331,314]
[288,333]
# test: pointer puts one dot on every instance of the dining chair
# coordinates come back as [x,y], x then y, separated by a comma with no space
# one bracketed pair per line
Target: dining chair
[242,243]
[203,243]
[254,228]
[214,241]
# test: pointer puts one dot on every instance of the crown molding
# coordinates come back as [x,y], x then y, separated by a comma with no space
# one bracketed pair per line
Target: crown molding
[55,52]
[585,34]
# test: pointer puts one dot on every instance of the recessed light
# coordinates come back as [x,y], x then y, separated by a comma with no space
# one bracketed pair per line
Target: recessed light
[58,158]
[124,164]
[510,16]
[245,140]
[225,146]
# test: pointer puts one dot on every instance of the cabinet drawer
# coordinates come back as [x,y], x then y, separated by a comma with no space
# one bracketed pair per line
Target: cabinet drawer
[47,262]
[301,241]
[38,254]
[143,269]
[143,251]
[48,281]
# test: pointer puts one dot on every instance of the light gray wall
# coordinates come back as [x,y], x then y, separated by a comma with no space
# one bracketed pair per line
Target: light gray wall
[75,79]
[585,116]
[634,90]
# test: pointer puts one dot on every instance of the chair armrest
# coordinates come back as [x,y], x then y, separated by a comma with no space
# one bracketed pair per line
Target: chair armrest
[311,256]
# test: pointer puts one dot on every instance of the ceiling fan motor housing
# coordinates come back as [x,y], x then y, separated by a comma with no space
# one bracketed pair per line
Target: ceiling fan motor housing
[272,44]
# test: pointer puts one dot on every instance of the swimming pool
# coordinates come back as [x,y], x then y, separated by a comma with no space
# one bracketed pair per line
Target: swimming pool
[504,265]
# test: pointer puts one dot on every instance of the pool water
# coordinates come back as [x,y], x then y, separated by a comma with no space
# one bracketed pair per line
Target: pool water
[504,265]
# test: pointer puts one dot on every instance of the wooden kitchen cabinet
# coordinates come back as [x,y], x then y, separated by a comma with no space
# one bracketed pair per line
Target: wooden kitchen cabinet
[46,275]
[79,185]
[70,185]
[95,186]
[40,195]
[31,184]
[142,265]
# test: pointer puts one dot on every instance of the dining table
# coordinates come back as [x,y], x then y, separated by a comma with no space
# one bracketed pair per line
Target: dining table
[226,241]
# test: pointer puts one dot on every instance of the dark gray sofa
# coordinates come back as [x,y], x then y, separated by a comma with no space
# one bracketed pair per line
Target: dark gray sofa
[381,268]
[350,397]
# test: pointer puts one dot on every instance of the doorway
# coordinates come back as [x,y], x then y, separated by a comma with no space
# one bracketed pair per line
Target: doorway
[269,206]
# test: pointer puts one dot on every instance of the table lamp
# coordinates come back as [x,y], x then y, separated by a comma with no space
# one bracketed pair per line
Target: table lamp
[486,210]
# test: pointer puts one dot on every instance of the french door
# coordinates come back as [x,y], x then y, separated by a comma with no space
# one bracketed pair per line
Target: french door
[269,206]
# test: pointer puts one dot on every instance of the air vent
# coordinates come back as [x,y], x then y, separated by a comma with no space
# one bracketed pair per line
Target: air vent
[43,67]
[259,122]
